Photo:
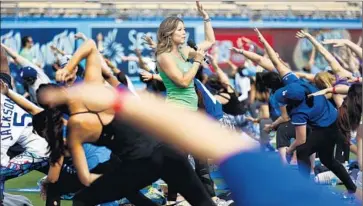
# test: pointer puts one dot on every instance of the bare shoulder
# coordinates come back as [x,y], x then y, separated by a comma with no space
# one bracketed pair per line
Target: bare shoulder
[163,57]
[165,61]
[77,121]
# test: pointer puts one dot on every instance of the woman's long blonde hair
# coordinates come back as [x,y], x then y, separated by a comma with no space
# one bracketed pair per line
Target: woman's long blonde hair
[166,29]
[324,80]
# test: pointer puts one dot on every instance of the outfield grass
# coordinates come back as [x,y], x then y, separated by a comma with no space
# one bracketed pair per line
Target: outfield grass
[30,181]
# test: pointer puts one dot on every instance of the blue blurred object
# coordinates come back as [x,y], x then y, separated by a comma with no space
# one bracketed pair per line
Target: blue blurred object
[28,72]
[249,71]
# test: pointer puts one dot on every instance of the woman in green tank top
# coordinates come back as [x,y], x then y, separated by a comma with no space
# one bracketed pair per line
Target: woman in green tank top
[172,59]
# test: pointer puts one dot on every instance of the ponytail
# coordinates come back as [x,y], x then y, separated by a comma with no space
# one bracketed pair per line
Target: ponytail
[49,125]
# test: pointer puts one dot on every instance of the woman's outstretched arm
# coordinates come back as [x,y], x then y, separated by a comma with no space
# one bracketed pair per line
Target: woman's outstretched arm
[25,104]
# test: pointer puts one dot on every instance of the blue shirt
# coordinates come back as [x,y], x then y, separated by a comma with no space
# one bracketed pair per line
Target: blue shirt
[290,78]
[95,155]
[322,114]
[274,107]
[212,106]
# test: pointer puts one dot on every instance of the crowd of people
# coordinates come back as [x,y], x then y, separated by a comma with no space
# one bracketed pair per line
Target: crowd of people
[94,136]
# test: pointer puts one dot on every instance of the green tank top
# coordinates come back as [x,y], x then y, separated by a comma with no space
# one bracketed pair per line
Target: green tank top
[185,97]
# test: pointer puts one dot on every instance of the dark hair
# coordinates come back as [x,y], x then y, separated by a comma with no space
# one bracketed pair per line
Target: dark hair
[260,86]
[215,85]
[271,80]
[199,74]
[350,112]
[201,105]
[49,125]
[121,77]
[24,40]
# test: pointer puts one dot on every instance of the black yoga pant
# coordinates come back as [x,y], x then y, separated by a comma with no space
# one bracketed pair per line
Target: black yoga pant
[68,182]
[134,175]
[203,173]
[342,152]
[322,141]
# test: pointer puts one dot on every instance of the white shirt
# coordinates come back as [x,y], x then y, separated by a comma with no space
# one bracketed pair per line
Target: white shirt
[16,127]
[42,78]
[244,84]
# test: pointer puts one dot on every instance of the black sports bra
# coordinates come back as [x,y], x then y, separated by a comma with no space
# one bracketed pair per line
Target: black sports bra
[234,106]
[123,140]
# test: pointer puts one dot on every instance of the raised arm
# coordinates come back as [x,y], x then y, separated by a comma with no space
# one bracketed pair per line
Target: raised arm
[209,37]
[4,65]
[311,61]
[334,64]
[223,78]
[142,63]
[93,71]
[309,77]
[341,61]
[56,50]
[249,41]
[81,35]
[278,64]
[346,42]
[150,42]
[260,60]
[169,67]
[114,69]
[25,104]
[24,62]
[353,63]
[17,58]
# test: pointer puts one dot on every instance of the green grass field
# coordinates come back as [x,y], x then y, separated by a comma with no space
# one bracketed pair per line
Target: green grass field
[30,181]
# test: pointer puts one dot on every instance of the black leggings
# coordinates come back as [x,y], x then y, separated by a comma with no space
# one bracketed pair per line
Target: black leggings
[203,173]
[322,141]
[134,175]
[68,182]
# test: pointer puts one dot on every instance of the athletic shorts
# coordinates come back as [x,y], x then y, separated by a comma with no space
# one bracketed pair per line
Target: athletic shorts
[285,132]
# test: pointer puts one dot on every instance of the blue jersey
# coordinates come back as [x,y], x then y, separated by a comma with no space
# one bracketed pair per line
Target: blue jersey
[321,114]
[212,106]
[290,78]
[274,107]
